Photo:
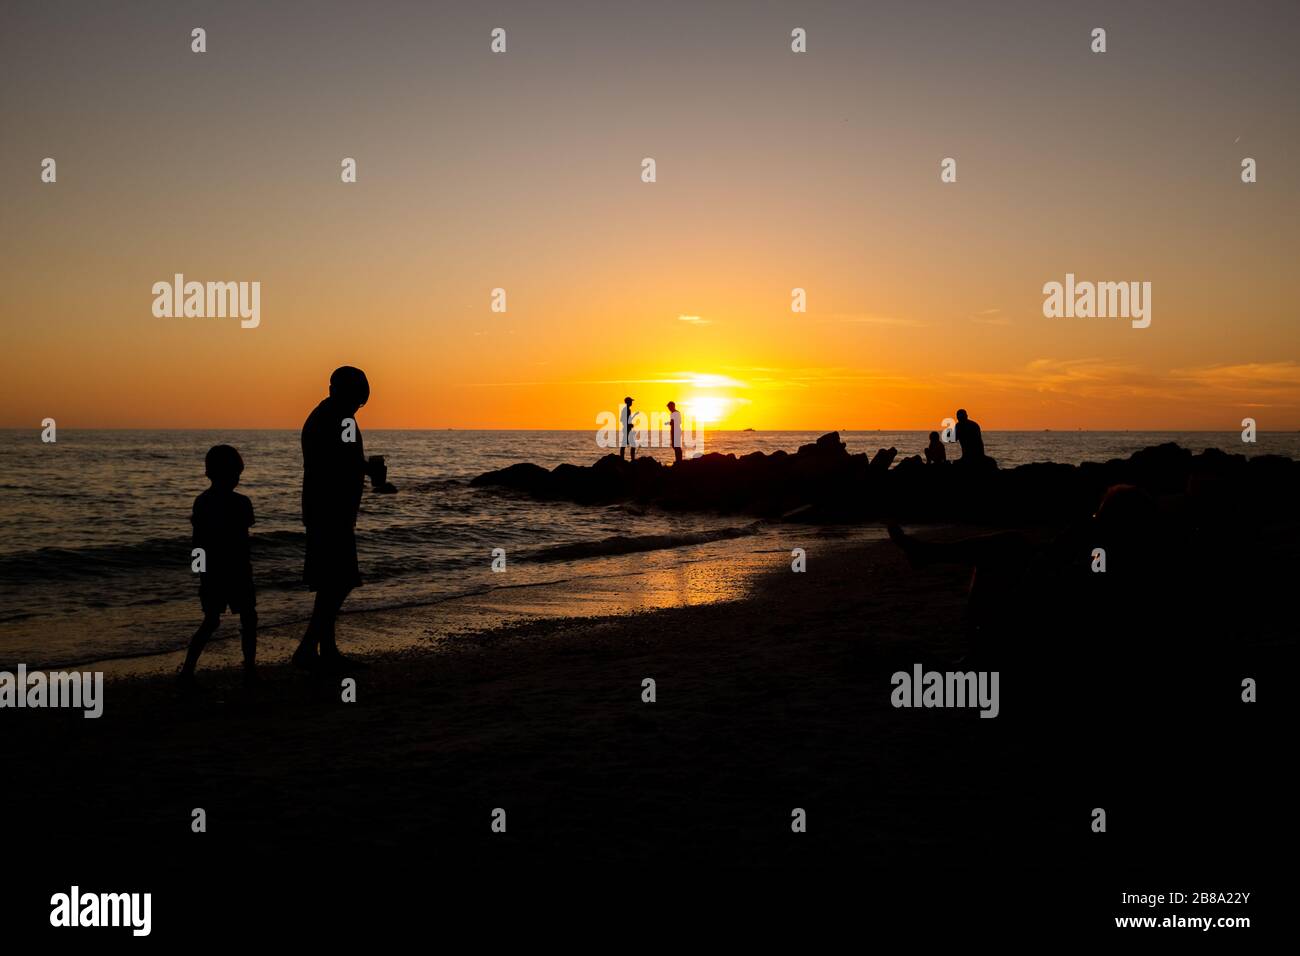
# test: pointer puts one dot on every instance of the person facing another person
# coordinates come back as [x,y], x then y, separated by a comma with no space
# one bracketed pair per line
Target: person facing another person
[675,431]
[627,432]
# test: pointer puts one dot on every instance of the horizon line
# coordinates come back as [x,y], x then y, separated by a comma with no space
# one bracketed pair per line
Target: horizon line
[766,431]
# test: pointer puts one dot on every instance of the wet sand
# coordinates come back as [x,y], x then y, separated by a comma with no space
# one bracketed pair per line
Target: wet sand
[776,701]
[605,587]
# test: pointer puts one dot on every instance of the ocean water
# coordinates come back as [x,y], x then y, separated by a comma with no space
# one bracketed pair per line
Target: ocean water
[95,533]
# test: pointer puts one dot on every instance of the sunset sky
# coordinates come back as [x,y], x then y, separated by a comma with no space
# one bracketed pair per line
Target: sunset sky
[775,170]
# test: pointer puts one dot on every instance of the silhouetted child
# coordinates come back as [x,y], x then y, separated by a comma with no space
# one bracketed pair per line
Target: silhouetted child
[221,521]
[935,453]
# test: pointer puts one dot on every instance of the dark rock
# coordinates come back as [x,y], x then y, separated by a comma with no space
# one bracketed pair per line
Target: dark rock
[822,482]
[521,477]
[882,460]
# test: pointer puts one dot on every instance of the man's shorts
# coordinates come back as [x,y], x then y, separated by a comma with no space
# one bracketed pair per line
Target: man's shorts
[331,559]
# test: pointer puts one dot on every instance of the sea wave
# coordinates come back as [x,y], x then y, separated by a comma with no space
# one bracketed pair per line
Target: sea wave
[94,561]
[631,544]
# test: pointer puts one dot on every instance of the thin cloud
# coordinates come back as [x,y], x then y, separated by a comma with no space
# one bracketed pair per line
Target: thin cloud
[697,379]
[859,318]
[990,317]
[1084,378]
[1099,382]
[1246,376]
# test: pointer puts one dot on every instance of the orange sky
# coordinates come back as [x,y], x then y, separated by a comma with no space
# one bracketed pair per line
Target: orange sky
[521,171]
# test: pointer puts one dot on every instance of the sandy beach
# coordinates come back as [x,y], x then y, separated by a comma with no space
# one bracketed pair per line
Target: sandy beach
[776,700]
[763,704]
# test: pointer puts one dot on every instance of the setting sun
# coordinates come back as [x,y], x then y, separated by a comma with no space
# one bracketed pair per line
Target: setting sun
[707,409]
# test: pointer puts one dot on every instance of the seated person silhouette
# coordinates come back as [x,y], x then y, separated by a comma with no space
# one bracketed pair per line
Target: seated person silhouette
[221,520]
[334,472]
[935,452]
[969,437]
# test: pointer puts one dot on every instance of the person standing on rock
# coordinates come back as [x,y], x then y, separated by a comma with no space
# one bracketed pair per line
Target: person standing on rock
[627,425]
[675,431]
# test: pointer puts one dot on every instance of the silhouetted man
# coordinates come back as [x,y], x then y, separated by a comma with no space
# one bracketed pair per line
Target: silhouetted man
[627,424]
[969,437]
[334,467]
[675,431]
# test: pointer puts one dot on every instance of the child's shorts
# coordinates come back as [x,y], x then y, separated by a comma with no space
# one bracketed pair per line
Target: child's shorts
[216,594]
